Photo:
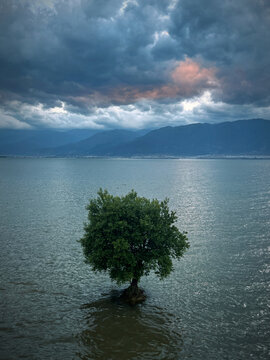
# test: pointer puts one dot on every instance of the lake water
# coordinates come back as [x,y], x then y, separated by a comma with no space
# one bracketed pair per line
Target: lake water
[214,306]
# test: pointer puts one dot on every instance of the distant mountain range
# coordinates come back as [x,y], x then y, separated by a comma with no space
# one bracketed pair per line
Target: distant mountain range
[32,142]
[243,137]
[237,138]
[99,144]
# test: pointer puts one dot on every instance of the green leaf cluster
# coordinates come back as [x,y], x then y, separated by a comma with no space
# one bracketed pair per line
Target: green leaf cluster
[129,236]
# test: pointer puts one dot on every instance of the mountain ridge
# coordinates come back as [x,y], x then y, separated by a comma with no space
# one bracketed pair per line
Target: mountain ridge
[232,138]
[241,137]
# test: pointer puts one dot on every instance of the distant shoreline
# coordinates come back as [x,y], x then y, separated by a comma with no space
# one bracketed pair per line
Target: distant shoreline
[161,157]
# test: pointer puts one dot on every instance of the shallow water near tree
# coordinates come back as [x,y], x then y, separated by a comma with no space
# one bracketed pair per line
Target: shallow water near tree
[214,306]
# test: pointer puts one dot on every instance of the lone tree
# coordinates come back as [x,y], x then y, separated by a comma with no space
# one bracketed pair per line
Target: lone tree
[129,236]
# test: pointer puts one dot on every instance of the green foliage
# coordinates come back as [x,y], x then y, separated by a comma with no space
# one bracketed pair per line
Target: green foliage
[129,236]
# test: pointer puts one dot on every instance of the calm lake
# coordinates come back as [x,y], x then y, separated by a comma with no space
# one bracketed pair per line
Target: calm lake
[216,304]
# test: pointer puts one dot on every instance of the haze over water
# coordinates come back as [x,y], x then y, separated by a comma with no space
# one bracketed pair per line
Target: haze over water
[214,306]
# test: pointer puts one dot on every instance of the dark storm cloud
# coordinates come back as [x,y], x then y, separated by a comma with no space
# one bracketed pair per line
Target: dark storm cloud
[89,54]
[73,48]
[234,36]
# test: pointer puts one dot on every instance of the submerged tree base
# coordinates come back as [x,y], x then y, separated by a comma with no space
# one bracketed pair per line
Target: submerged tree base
[133,295]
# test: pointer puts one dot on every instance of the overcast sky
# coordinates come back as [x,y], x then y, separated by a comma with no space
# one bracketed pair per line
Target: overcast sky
[133,63]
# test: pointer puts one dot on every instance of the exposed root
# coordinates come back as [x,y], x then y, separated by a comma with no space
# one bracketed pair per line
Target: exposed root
[133,297]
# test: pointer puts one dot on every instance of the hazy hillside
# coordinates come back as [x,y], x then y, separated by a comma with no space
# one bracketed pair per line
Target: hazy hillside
[243,137]
[30,142]
[99,144]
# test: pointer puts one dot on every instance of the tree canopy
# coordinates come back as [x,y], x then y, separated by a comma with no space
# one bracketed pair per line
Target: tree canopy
[129,236]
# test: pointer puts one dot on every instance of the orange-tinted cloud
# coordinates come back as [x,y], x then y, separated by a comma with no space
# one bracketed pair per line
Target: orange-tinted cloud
[190,77]
[187,79]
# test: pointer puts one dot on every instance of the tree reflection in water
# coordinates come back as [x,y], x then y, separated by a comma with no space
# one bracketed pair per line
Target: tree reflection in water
[115,330]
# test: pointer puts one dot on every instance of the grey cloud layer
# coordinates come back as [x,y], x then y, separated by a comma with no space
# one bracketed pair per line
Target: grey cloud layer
[234,36]
[68,50]
[90,53]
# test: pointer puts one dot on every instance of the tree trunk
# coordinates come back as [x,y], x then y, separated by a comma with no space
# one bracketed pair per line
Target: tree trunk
[133,289]
[133,294]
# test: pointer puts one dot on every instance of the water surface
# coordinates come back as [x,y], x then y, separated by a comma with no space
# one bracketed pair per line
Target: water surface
[214,306]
